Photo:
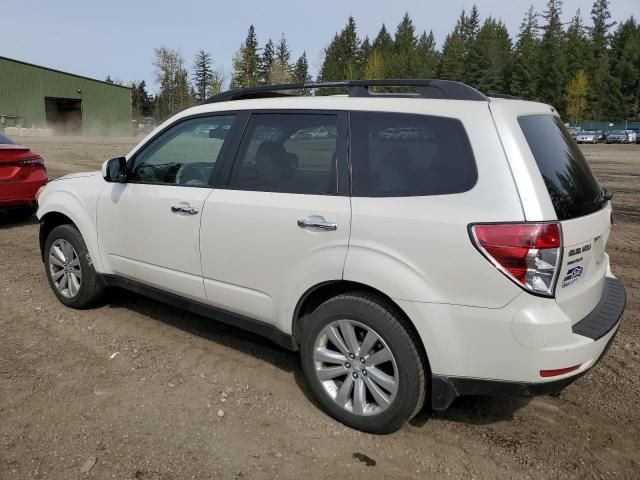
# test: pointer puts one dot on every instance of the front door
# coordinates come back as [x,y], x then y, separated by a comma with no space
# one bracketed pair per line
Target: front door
[149,227]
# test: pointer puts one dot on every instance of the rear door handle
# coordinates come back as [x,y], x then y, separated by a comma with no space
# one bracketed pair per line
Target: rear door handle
[317,225]
[187,210]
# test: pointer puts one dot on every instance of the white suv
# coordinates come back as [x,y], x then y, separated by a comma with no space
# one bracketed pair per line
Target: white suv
[412,246]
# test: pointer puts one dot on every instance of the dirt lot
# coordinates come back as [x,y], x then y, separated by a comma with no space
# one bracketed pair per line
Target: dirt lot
[134,389]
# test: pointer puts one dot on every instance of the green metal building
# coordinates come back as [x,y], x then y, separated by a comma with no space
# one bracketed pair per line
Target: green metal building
[38,97]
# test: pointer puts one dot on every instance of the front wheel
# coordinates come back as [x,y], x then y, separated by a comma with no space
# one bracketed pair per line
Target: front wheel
[362,363]
[69,268]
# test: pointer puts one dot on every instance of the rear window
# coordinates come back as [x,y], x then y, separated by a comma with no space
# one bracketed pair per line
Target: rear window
[396,155]
[572,187]
[6,140]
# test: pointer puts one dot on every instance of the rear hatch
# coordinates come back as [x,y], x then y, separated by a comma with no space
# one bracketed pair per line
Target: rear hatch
[582,208]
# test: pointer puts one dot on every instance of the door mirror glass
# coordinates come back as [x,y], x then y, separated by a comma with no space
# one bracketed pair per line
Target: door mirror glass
[114,170]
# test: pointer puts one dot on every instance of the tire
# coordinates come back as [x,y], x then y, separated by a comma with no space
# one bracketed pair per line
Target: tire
[82,287]
[364,314]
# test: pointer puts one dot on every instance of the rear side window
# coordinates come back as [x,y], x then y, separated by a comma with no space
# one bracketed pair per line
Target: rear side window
[572,187]
[288,153]
[395,155]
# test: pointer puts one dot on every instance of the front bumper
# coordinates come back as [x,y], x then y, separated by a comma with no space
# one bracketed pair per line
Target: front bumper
[600,325]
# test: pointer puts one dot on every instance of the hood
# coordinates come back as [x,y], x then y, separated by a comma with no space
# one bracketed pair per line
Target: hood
[71,176]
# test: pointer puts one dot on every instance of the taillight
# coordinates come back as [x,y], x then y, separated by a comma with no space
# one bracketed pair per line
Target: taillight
[527,253]
[33,161]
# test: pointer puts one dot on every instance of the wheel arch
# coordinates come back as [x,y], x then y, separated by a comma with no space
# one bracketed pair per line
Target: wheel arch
[321,292]
[57,214]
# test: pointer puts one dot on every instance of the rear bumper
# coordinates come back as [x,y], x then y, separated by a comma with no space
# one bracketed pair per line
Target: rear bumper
[600,325]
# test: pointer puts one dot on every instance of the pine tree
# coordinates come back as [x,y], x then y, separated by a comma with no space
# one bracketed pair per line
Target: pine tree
[625,65]
[576,48]
[341,57]
[452,58]
[266,62]
[524,76]
[202,74]
[403,57]
[301,69]
[281,69]
[383,41]
[600,16]
[551,62]
[245,62]
[427,56]
[491,51]
[605,96]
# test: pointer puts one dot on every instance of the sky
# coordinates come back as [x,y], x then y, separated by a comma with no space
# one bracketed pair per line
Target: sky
[118,37]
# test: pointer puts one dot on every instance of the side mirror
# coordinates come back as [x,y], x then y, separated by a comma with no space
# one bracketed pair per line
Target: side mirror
[114,170]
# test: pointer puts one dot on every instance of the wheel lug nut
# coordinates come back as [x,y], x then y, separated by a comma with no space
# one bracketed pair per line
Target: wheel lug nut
[347,365]
[352,356]
[364,372]
[361,359]
[355,375]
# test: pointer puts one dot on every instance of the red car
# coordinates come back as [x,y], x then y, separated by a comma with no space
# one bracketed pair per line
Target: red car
[22,173]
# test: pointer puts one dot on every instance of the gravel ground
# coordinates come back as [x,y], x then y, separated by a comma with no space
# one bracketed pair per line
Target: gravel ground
[135,389]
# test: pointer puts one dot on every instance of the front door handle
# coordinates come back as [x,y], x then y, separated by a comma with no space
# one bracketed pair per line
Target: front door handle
[188,210]
[317,225]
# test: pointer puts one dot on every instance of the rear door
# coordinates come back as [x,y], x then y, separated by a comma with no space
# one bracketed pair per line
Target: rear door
[280,223]
[556,182]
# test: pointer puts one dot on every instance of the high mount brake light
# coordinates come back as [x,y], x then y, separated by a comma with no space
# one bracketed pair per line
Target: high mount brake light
[527,253]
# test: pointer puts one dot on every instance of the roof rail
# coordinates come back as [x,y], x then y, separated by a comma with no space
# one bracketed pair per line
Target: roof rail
[492,94]
[446,89]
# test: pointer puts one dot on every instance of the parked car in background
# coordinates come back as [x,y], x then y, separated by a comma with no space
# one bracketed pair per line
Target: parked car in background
[618,136]
[22,174]
[637,132]
[602,136]
[587,136]
[633,135]
[575,131]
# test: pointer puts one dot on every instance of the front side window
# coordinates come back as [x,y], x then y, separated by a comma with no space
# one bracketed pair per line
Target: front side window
[288,153]
[183,155]
[396,155]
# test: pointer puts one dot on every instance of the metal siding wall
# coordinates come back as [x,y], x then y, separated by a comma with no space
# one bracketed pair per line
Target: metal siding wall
[106,109]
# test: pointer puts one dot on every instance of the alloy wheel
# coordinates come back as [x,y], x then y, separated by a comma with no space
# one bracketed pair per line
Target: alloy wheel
[65,268]
[356,367]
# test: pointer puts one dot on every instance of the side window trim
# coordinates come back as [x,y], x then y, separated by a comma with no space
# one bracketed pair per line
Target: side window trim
[222,156]
[342,150]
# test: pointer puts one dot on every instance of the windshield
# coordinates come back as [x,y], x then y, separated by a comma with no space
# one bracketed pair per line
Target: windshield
[618,132]
[572,187]
[588,133]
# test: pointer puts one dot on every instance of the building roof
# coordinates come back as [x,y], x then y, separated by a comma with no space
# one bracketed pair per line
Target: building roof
[64,73]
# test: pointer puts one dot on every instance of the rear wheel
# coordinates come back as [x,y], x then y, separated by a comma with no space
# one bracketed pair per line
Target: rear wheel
[362,363]
[69,268]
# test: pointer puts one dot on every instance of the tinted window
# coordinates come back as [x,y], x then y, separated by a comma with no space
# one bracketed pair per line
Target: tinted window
[183,155]
[408,155]
[572,187]
[6,140]
[291,153]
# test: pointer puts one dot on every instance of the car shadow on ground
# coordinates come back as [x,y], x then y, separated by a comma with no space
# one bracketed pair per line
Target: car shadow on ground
[16,218]
[475,410]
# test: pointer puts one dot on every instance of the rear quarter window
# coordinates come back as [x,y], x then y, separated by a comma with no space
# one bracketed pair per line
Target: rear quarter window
[397,155]
[572,187]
